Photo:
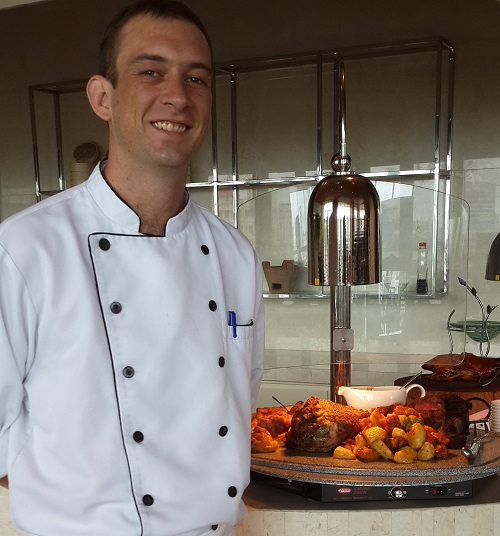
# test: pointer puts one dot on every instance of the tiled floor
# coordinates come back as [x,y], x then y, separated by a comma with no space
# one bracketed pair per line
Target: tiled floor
[481,520]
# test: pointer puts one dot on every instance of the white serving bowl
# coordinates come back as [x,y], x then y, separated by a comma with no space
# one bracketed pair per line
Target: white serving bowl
[367,397]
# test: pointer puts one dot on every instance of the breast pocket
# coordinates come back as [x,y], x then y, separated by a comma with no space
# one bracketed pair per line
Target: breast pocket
[237,329]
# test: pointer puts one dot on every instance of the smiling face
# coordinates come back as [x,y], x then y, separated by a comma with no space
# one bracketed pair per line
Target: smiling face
[159,109]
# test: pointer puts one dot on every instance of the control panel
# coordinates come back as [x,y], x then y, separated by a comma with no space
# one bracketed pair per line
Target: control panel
[373,492]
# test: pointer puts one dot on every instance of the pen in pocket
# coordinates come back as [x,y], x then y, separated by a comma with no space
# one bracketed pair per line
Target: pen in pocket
[232,322]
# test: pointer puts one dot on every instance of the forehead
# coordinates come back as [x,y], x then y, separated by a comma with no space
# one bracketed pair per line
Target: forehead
[146,34]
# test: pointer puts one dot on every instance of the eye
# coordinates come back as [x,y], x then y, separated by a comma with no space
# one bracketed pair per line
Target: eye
[150,72]
[195,80]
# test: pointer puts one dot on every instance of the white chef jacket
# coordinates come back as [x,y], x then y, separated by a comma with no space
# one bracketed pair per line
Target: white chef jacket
[125,398]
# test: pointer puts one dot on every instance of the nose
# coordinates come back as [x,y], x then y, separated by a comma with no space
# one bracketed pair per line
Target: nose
[175,91]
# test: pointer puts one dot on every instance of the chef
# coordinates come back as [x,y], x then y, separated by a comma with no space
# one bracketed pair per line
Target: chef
[131,319]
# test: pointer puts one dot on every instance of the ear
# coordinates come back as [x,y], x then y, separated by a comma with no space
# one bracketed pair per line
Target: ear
[99,91]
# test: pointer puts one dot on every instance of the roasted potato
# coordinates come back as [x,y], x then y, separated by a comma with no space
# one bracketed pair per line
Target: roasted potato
[373,433]
[405,455]
[367,454]
[416,435]
[398,432]
[394,432]
[426,452]
[377,418]
[382,449]
[360,441]
[342,453]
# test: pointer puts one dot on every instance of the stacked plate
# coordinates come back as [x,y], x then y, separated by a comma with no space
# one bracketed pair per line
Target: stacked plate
[495,416]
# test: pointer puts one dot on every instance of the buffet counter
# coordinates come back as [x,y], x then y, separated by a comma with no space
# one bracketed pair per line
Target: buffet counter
[277,512]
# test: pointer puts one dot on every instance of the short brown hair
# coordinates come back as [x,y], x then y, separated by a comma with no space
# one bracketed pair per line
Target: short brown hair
[167,9]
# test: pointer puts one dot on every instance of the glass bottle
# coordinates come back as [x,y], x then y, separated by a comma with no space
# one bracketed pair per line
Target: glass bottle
[422,268]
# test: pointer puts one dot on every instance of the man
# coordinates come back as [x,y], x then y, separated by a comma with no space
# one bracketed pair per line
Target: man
[125,395]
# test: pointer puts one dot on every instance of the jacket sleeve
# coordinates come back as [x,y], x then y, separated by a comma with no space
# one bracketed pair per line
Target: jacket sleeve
[16,317]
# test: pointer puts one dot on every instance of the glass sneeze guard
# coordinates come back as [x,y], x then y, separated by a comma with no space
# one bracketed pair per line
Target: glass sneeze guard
[395,329]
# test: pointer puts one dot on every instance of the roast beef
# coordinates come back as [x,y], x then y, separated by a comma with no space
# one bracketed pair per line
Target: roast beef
[447,413]
[321,425]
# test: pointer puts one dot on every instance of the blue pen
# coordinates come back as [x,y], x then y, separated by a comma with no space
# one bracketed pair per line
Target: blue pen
[232,322]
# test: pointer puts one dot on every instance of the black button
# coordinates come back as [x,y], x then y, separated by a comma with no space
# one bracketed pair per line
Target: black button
[148,500]
[116,307]
[104,244]
[222,361]
[232,491]
[128,372]
[215,527]
[205,250]
[212,305]
[223,431]
[138,437]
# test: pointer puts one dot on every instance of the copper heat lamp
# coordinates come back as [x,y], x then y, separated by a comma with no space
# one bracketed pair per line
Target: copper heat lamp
[343,246]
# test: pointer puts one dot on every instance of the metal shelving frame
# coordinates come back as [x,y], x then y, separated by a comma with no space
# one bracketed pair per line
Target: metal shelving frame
[56,90]
[441,172]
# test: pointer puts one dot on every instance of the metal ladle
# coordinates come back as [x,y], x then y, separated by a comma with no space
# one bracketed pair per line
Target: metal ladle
[411,379]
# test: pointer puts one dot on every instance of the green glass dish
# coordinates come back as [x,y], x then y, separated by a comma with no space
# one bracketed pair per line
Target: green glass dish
[473,329]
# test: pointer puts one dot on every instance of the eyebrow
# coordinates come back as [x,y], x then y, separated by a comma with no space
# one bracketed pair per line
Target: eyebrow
[161,59]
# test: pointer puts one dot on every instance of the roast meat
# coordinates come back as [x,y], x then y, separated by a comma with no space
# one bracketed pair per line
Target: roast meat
[269,427]
[448,413]
[322,425]
[461,367]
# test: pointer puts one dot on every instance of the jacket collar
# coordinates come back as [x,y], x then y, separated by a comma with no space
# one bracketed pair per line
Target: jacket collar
[119,212]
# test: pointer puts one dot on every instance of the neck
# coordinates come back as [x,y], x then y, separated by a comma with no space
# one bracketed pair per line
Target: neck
[155,198]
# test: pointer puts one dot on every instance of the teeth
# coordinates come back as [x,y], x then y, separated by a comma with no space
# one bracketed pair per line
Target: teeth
[169,127]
